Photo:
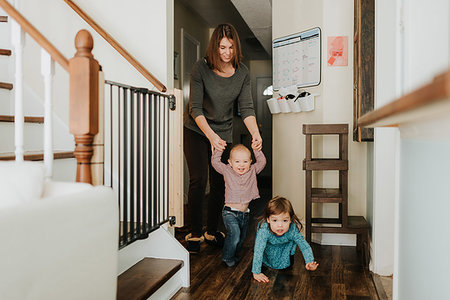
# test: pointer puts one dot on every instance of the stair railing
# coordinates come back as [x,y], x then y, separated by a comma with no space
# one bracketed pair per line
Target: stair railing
[83,71]
[139,213]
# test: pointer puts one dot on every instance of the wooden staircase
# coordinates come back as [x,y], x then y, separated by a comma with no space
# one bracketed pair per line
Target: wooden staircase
[343,223]
[28,155]
[144,278]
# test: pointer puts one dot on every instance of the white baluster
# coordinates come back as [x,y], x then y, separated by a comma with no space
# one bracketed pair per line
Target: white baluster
[48,70]
[18,42]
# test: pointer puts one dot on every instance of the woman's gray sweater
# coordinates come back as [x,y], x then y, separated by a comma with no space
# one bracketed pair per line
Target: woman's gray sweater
[213,96]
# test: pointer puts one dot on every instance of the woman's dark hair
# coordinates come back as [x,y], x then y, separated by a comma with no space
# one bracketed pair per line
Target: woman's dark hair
[212,53]
[279,205]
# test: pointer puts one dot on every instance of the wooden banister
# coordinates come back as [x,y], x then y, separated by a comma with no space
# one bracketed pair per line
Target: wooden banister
[117,46]
[84,94]
[35,34]
[438,91]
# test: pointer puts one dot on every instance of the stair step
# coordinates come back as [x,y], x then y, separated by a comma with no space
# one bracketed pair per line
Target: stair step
[146,277]
[325,128]
[5,52]
[3,18]
[326,195]
[6,86]
[37,155]
[4,118]
[355,224]
[317,164]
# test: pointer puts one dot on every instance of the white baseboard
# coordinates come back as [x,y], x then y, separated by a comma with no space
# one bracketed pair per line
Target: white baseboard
[335,239]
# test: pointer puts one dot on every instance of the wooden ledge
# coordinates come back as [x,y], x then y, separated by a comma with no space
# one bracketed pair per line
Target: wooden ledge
[423,103]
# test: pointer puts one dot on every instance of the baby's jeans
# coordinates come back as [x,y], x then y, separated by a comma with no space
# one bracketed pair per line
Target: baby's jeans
[236,223]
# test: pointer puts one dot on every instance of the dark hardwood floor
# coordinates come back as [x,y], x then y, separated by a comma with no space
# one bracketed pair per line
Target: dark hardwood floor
[340,274]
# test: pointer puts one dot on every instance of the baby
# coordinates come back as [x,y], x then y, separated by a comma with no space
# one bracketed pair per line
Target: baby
[240,188]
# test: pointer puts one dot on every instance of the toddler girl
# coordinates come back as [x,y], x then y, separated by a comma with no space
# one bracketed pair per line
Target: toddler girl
[240,188]
[277,237]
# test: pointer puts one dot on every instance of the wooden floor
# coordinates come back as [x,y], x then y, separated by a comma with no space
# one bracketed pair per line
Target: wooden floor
[340,276]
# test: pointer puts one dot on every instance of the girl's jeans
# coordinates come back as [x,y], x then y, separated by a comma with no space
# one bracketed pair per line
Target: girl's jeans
[236,223]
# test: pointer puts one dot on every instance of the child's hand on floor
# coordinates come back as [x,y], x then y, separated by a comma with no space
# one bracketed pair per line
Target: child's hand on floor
[260,277]
[312,266]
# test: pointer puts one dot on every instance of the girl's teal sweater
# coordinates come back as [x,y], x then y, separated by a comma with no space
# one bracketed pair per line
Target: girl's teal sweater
[275,251]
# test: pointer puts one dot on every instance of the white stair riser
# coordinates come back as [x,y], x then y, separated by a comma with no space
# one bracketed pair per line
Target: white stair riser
[5,102]
[64,169]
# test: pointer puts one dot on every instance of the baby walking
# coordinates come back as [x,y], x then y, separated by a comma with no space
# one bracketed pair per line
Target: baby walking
[277,237]
[240,188]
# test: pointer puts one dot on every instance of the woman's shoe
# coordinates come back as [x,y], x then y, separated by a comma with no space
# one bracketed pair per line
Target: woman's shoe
[193,243]
[215,239]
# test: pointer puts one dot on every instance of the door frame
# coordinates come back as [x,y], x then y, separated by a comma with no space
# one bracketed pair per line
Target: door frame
[185,34]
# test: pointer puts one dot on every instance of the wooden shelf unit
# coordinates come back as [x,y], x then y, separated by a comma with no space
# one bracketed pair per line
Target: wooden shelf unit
[343,223]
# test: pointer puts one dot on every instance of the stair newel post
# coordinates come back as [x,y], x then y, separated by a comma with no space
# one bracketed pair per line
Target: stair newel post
[84,94]
[18,42]
[47,71]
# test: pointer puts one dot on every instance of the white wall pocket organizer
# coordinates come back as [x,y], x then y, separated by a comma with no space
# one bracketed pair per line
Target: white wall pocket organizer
[294,104]
[284,106]
[274,107]
[307,102]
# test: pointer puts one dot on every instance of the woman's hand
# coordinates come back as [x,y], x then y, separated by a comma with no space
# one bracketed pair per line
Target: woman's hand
[217,143]
[256,141]
[312,266]
[250,123]
[260,277]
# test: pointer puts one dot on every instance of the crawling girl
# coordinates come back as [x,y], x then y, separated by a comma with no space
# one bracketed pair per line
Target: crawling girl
[277,237]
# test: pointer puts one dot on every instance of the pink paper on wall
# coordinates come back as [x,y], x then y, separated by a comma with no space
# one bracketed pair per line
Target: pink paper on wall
[337,50]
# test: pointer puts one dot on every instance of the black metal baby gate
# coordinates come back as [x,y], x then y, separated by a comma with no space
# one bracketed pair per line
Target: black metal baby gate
[137,162]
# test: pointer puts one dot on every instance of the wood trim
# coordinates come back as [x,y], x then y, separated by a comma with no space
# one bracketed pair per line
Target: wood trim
[35,34]
[438,91]
[3,18]
[6,86]
[5,52]
[176,160]
[39,120]
[117,46]
[37,155]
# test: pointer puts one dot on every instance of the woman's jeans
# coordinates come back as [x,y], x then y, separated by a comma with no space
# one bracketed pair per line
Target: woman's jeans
[236,223]
[197,150]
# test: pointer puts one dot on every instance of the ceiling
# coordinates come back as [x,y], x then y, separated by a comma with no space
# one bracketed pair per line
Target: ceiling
[253,22]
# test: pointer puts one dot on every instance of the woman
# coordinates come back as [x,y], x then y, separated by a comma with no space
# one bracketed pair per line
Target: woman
[217,81]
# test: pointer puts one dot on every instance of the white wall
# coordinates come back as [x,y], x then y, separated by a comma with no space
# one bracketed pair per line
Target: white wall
[423,244]
[334,105]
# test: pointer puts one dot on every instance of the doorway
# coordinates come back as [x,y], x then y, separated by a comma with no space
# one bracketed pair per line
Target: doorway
[264,119]
[190,54]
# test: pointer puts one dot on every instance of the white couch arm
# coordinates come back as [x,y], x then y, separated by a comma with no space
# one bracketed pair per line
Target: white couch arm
[60,247]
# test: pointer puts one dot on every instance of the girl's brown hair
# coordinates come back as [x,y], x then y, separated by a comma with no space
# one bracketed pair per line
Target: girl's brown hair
[212,53]
[279,205]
